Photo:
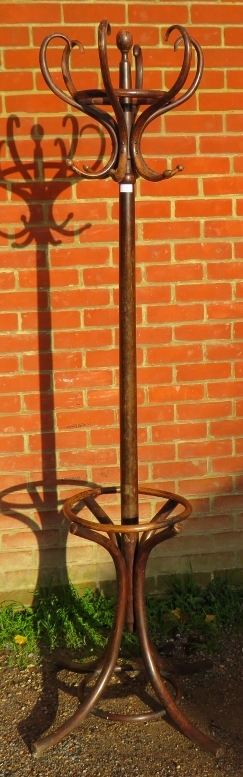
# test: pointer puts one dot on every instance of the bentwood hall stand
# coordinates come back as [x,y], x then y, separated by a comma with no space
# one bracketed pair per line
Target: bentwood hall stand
[129,552]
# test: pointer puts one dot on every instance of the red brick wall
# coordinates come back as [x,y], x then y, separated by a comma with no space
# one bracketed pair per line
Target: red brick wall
[58,288]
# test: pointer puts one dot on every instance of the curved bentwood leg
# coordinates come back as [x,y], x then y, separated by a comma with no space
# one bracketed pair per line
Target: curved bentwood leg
[151,658]
[112,651]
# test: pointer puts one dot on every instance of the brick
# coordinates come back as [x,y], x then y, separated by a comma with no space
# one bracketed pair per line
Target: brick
[7,280]
[204,251]
[224,271]
[64,400]
[239,447]
[169,146]
[76,298]
[179,432]
[221,102]
[224,351]
[223,144]
[175,393]
[148,375]
[25,258]
[152,253]
[55,278]
[8,364]
[27,57]
[39,103]
[109,437]
[229,427]
[161,313]
[178,186]
[206,124]
[153,294]
[203,331]
[174,354]
[84,33]
[90,14]
[239,208]
[27,300]
[109,397]
[109,475]
[25,383]
[203,372]
[82,378]
[174,230]
[207,486]
[238,251]
[206,165]
[101,277]
[10,403]
[239,290]
[9,36]
[223,14]
[175,469]
[239,370]
[82,418]
[223,310]
[203,291]
[23,342]
[173,273]
[105,358]
[154,334]
[156,414]
[164,452]
[203,208]
[23,13]
[23,82]
[24,539]
[22,560]
[63,320]
[48,442]
[238,330]
[206,410]
[227,185]
[207,449]
[166,14]
[10,443]
[221,465]
[232,389]
[77,459]
[8,322]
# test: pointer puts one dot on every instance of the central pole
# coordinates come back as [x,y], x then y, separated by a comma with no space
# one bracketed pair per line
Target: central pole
[127,338]
[128,371]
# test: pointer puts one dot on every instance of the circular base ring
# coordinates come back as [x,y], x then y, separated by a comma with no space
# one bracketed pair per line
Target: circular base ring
[117,716]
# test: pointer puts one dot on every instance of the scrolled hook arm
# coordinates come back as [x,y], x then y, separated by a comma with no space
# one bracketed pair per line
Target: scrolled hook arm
[119,173]
[71,99]
[165,104]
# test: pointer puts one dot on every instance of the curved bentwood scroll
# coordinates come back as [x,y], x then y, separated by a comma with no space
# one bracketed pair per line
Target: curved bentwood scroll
[125,139]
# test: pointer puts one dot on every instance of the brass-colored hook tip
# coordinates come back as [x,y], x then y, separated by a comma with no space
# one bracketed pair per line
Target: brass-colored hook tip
[124,41]
[171,173]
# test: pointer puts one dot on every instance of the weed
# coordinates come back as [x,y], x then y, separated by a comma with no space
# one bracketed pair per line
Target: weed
[62,618]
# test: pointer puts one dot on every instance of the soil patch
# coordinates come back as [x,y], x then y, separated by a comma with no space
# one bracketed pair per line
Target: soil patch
[35,700]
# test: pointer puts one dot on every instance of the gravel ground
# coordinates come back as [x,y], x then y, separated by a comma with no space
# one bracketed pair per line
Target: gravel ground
[34,700]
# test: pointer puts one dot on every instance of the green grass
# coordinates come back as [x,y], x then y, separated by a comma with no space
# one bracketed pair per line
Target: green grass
[64,619]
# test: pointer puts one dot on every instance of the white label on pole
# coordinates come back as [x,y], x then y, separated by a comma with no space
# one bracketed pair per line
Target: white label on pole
[126,187]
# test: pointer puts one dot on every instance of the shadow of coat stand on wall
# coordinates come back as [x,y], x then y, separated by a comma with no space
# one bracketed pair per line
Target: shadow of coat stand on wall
[36,503]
